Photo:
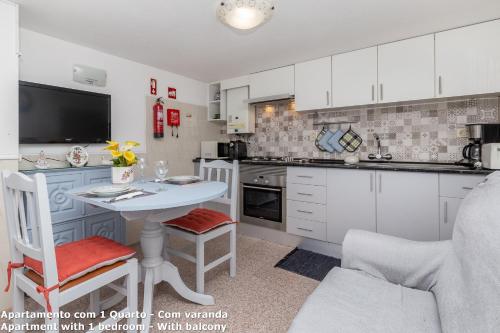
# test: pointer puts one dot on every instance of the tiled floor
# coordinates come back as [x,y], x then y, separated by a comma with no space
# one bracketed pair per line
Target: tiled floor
[260,298]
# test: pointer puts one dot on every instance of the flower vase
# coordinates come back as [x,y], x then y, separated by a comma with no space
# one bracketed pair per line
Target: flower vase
[122,175]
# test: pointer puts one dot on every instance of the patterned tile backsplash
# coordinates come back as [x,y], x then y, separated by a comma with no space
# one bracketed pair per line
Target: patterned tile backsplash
[415,132]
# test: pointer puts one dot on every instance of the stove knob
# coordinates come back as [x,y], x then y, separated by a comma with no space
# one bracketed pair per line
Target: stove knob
[266,181]
[256,180]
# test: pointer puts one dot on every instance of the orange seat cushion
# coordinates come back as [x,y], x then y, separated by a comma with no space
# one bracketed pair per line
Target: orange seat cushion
[200,220]
[78,258]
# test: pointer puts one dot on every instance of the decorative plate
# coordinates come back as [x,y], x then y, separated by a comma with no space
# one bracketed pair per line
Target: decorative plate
[77,156]
[182,180]
[109,190]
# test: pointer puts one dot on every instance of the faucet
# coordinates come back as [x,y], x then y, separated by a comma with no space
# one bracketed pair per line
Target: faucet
[379,155]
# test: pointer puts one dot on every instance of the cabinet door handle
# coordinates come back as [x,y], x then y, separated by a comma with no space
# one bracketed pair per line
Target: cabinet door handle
[371,182]
[304,229]
[302,193]
[440,85]
[467,188]
[373,92]
[327,98]
[381,91]
[304,211]
[445,212]
[379,183]
[299,176]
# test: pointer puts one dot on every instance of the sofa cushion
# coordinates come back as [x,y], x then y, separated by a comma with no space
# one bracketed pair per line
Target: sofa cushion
[468,284]
[351,301]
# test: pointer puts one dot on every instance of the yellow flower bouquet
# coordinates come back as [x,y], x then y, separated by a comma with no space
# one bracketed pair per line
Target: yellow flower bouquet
[123,160]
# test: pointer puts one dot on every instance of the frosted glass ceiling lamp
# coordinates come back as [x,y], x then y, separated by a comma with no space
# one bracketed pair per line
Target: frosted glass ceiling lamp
[245,14]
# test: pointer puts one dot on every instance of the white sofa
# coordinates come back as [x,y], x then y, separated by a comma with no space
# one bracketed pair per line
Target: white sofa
[388,284]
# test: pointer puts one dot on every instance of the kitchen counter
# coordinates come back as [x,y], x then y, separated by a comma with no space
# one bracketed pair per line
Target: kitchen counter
[383,165]
[373,165]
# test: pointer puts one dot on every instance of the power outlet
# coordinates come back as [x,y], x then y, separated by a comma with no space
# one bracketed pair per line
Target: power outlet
[462,133]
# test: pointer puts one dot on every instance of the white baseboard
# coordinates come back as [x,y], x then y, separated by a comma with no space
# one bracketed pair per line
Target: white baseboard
[283,238]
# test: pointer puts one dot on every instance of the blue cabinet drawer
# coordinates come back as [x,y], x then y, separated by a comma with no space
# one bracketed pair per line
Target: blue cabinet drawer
[105,225]
[67,232]
[96,177]
[63,208]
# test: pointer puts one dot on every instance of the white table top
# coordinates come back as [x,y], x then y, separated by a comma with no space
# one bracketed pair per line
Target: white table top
[172,196]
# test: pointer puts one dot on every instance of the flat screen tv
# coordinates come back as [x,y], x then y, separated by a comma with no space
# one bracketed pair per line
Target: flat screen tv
[49,114]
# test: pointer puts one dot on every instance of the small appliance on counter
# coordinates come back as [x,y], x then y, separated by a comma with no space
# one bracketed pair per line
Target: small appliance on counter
[237,150]
[491,156]
[214,149]
[479,135]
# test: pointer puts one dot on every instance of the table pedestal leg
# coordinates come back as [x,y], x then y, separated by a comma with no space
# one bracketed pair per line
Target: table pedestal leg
[156,270]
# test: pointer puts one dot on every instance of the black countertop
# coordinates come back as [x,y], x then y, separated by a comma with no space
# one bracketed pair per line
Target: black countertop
[371,165]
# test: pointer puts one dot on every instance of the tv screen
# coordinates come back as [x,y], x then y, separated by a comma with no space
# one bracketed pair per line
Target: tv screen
[49,114]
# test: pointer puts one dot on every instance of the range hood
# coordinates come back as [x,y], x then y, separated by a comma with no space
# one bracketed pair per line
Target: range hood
[269,98]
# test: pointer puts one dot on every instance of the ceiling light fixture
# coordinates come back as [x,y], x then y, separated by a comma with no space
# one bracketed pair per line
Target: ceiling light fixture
[245,14]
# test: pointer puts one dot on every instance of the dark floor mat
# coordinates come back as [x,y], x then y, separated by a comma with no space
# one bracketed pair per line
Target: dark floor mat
[307,263]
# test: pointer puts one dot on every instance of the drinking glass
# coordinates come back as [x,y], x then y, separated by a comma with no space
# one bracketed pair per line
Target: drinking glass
[161,170]
[141,165]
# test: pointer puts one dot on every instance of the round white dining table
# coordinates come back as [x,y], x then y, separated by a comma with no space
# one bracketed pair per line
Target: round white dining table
[167,202]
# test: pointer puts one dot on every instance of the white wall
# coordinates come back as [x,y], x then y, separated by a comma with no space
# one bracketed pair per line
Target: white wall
[8,81]
[50,61]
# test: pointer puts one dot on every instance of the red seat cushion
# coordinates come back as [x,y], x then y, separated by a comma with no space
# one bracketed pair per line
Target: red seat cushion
[200,220]
[78,258]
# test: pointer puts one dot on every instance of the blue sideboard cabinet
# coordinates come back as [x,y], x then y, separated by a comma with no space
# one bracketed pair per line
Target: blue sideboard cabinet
[73,220]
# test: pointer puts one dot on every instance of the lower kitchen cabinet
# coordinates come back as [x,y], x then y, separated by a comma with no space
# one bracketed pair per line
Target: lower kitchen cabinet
[306,228]
[452,190]
[408,205]
[351,202]
[447,214]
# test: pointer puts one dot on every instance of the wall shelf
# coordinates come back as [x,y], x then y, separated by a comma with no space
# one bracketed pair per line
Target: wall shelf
[216,106]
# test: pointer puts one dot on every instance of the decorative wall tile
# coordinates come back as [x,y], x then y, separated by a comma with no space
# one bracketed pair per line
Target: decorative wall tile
[416,132]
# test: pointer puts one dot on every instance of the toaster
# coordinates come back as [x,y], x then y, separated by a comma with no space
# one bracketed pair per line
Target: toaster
[490,155]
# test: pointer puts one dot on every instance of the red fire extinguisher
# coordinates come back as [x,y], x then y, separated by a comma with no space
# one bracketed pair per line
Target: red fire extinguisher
[158,119]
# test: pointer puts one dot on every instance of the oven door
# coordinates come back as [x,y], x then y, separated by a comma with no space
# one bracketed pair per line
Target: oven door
[263,205]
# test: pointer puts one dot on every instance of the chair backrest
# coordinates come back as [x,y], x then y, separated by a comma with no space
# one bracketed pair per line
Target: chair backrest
[467,289]
[29,224]
[228,173]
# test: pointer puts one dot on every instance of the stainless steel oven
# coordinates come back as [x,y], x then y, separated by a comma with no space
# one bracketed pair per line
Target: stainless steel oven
[263,196]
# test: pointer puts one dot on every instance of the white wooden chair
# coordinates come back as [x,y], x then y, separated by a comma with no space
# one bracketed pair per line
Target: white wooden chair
[222,172]
[27,206]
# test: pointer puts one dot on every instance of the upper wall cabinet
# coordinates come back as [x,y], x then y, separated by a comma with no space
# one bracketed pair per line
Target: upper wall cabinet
[406,70]
[235,82]
[354,78]
[468,60]
[274,82]
[9,78]
[313,84]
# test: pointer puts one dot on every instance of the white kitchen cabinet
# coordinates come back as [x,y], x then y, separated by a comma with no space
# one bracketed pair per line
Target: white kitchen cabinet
[452,190]
[313,84]
[468,60]
[408,205]
[274,82]
[240,116]
[448,210]
[406,69]
[354,78]
[351,202]
[9,80]
[235,82]
[308,176]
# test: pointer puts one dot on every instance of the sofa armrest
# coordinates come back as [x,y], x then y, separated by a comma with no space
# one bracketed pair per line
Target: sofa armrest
[401,261]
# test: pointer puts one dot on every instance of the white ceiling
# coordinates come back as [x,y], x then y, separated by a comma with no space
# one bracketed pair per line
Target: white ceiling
[184,36]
